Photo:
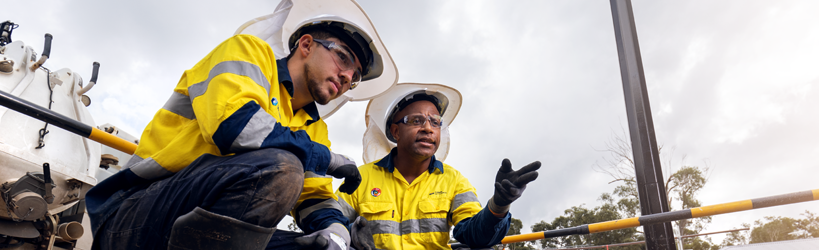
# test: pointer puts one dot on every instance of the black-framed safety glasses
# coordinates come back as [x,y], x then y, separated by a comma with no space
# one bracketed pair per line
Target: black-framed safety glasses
[344,59]
[418,120]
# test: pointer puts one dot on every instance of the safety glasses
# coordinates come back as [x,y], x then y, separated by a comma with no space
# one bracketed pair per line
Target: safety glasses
[343,58]
[418,120]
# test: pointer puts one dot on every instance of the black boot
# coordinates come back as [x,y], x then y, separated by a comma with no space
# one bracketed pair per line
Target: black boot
[201,229]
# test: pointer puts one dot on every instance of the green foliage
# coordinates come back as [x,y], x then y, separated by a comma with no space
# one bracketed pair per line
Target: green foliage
[514,229]
[784,228]
[697,243]
[776,228]
[736,238]
[579,215]
[629,204]
[809,227]
[683,186]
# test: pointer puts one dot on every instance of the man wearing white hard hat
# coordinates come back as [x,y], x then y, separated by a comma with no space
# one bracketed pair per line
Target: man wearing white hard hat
[409,198]
[225,159]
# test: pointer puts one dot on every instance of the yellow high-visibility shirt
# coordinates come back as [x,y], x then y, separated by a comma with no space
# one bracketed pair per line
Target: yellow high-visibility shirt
[236,99]
[417,215]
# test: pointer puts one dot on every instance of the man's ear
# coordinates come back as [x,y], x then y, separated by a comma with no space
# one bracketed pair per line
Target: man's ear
[394,131]
[305,45]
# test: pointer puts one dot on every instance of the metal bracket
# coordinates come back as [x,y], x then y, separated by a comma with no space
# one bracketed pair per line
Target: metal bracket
[74,191]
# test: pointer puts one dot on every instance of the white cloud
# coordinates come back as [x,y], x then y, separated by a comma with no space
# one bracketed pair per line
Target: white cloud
[731,82]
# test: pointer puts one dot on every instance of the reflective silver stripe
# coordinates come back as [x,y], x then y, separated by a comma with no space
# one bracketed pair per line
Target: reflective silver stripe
[384,227]
[347,210]
[341,231]
[311,174]
[134,160]
[424,226]
[234,67]
[150,170]
[329,203]
[255,131]
[181,105]
[430,225]
[462,198]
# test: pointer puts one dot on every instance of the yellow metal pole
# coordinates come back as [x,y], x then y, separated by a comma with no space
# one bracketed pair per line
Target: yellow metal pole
[34,111]
[724,208]
[112,141]
[522,237]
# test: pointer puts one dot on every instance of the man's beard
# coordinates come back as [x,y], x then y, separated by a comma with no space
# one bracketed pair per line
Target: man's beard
[314,87]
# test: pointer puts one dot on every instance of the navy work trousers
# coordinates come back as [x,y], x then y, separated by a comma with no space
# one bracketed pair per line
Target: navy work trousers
[258,187]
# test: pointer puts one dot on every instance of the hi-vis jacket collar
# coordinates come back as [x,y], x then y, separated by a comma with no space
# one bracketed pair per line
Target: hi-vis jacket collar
[287,82]
[284,75]
[387,162]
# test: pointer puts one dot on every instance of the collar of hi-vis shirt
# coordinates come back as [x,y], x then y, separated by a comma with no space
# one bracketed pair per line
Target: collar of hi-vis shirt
[388,162]
[307,114]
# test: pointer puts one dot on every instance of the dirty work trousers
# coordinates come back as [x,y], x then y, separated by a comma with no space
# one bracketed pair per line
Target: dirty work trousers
[258,187]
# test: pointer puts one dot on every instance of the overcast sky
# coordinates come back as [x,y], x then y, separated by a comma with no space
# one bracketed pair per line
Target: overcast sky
[733,85]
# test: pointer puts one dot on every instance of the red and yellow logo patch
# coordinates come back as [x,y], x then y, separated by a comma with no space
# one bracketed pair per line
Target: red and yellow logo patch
[375,192]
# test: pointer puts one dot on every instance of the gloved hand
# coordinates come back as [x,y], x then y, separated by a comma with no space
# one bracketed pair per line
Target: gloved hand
[362,235]
[509,185]
[334,237]
[342,167]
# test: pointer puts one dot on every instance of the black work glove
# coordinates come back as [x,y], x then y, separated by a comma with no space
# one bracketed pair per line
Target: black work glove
[342,167]
[362,235]
[509,185]
[334,237]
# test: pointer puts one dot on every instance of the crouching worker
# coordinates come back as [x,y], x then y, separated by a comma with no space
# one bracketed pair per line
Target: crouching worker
[224,160]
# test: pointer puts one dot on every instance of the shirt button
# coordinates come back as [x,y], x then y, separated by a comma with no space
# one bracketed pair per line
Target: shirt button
[406,237]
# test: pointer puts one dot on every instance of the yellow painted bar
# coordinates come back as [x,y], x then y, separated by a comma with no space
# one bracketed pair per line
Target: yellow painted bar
[722,208]
[635,221]
[522,237]
[112,141]
[614,225]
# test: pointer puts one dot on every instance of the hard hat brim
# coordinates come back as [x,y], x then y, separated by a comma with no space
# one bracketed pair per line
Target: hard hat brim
[377,145]
[289,16]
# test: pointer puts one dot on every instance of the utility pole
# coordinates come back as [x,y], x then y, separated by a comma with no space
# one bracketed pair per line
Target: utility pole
[649,174]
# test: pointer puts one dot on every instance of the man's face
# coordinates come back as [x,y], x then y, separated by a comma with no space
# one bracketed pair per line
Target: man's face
[421,142]
[326,80]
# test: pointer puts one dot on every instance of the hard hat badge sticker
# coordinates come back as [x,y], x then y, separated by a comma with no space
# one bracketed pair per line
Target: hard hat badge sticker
[375,192]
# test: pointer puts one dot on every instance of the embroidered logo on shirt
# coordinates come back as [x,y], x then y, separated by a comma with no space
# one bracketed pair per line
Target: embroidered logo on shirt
[375,192]
[437,194]
[274,101]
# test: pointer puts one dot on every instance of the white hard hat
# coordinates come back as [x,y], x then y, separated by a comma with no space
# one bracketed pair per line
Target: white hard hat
[378,141]
[286,24]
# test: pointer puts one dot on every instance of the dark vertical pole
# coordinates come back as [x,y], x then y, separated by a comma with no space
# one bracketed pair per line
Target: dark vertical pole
[641,127]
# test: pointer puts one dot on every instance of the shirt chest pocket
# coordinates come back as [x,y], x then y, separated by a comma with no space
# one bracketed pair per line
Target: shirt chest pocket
[377,210]
[433,208]
[432,221]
